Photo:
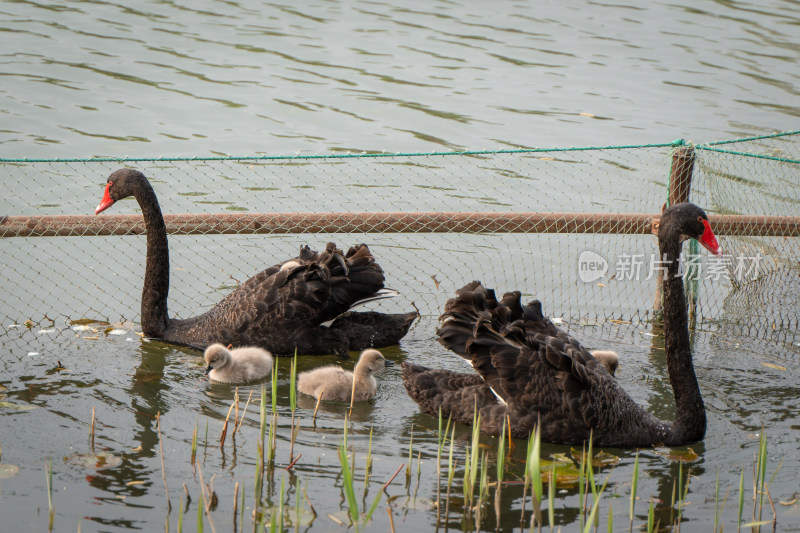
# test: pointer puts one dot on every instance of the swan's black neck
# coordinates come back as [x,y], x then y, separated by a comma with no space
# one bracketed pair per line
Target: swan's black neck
[690,420]
[155,319]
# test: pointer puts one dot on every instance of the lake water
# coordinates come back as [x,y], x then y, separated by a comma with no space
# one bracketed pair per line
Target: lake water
[150,79]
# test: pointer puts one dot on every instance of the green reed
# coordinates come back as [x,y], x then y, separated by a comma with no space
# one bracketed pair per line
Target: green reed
[368,463]
[451,471]
[194,446]
[200,516]
[275,388]
[51,508]
[716,501]
[478,472]
[180,515]
[741,500]
[501,456]
[410,455]
[533,474]
[292,400]
[634,486]
[551,497]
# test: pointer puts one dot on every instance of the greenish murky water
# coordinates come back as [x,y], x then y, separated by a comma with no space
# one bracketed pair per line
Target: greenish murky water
[82,79]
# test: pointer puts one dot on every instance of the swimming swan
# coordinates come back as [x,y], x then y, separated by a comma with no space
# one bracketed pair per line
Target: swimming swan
[333,383]
[240,365]
[529,372]
[300,304]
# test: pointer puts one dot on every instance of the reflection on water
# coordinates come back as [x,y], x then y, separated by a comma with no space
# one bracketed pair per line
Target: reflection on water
[170,79]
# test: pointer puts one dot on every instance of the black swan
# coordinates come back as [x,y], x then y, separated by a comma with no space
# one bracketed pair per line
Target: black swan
[240,365]
[529,371]
[301,303]
[333,383]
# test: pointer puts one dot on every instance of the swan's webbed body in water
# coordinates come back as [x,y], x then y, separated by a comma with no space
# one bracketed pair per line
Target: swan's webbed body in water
[530,372]
[282,308]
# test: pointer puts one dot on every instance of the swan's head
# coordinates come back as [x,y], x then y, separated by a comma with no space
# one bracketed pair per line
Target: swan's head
[373,361]
[689,221]
[216,356]
[120,184]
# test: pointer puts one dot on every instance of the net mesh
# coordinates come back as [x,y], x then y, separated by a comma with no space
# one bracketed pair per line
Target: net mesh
[583,271]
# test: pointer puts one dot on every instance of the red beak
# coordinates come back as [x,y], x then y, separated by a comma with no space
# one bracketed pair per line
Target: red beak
[106,202]
[709,240]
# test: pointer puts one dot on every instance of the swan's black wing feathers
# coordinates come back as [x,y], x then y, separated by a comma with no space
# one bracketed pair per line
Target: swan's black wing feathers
[284,307]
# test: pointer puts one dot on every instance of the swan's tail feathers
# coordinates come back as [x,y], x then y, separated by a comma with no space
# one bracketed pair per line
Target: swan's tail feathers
[380,295]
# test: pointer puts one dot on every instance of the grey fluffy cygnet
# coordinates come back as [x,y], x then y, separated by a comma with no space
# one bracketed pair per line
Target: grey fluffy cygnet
[607,358]
[333,383]
[240,365]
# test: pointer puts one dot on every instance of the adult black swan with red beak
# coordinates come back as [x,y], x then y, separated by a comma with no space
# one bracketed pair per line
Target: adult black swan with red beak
[302,303]
[530,372]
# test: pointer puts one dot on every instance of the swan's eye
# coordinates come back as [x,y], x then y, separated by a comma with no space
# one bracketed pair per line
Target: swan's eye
[700,219]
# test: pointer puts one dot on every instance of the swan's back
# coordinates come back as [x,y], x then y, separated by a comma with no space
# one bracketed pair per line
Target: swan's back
[283,306]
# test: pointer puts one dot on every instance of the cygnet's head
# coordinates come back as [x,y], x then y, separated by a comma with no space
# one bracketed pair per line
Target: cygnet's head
[373,361]
[216,356]
[607,358]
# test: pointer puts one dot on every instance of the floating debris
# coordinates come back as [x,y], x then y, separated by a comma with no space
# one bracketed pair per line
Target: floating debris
[117,332]
[87,321]
[20,407]
[600,460]
[31,354]
[98,461]
[685,456]
[8,471]
[46,331]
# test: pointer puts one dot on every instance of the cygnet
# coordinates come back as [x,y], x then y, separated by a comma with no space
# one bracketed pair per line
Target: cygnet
[332,383]
[607,358]
[240,365]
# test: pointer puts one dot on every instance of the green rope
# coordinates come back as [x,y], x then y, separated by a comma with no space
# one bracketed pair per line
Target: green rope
[338,156]
[673,144]
[770,136]
[746,154]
